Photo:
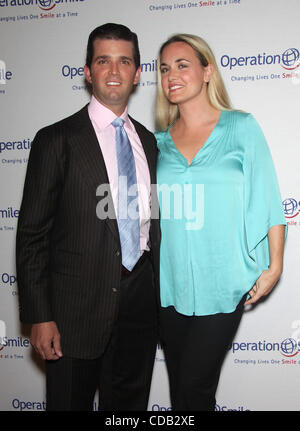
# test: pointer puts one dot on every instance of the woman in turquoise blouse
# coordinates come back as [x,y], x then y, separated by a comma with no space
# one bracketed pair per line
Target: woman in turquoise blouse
[222,220]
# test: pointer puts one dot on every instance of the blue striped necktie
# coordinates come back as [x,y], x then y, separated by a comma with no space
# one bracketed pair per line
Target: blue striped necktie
[128,211]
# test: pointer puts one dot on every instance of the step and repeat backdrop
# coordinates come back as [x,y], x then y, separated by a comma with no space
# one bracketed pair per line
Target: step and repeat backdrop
[256,44]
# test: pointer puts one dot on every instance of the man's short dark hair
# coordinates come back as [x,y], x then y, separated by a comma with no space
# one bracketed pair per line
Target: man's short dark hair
[115,32]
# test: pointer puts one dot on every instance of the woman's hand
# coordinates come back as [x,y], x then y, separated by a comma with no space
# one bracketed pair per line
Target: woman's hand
[269,278]
[263,285]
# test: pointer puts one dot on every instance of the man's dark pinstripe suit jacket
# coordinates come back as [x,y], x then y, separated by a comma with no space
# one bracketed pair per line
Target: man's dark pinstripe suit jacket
[69,260]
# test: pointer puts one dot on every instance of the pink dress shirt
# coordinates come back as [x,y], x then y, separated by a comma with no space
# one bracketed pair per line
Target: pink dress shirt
[101,118]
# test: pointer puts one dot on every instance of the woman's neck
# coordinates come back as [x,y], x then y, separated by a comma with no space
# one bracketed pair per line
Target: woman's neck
[193,114]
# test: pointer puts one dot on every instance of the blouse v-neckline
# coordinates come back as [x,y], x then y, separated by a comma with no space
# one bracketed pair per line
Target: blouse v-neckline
[206,143]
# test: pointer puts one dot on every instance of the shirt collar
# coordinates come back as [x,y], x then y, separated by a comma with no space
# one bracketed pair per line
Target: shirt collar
[102,116]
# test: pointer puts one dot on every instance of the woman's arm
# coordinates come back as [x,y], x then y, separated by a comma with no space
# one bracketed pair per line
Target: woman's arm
[269,278]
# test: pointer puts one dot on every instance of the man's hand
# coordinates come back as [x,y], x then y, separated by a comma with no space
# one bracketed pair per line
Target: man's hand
[45,339]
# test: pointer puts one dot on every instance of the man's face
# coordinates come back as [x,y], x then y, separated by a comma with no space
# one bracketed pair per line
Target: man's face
[112,73]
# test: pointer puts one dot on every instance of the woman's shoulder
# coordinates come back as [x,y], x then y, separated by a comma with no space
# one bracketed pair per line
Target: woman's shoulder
[238,115]
[242,121]
[249,132]
[242,117]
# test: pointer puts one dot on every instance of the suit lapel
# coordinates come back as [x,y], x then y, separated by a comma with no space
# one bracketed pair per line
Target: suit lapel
[91,162]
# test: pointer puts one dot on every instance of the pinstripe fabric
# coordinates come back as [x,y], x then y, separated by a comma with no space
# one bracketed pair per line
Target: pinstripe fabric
[68,260]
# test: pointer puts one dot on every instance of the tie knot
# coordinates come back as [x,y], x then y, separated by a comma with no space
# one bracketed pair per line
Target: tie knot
[118,122]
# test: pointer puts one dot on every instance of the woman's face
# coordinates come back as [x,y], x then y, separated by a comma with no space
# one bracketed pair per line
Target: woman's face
[183,77]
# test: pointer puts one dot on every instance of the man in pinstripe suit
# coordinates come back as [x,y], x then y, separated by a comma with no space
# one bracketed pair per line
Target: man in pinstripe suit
[93,320]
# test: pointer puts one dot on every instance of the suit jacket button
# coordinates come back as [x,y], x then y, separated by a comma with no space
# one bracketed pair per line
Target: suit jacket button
[118,253]
[114,289]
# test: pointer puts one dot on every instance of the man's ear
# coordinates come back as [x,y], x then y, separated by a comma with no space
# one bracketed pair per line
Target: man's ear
[87,74]
[137,75]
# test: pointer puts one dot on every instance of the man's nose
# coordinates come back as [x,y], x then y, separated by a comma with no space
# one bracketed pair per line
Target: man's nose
[114,67]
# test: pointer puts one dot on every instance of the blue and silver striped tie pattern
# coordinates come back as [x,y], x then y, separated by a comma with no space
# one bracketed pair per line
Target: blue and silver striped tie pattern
[128,215]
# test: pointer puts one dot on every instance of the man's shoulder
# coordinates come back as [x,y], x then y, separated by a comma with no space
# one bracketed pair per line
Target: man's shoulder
[139,127]
[69,123]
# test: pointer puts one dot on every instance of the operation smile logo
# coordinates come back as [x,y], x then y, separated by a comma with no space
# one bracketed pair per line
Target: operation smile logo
[289,60]
[12,152]
[5,75]
[74,73]
[2,334]
[8,282]
[14,342]
[48,5]
[289,348]
[45,5]
[11,343]
[47,9]
[291,208]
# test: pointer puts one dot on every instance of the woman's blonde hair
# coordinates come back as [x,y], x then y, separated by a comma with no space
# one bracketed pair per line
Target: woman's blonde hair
[166,112]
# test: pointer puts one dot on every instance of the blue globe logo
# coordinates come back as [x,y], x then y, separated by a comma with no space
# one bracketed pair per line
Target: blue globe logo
[290,207]
[289,347]
[46,4]
[290,57]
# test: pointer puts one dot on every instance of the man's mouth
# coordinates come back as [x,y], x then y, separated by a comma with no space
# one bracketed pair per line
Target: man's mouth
[113,83]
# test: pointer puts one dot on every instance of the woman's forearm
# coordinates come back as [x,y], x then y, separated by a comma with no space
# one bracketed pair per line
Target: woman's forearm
[276,236]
